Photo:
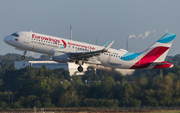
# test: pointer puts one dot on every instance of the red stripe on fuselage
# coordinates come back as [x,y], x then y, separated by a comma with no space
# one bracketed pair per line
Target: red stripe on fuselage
[150,57]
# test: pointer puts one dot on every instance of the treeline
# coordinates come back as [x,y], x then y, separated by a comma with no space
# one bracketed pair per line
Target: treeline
[30,87]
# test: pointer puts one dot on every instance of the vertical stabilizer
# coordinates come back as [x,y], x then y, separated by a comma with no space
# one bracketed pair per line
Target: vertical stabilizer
[156,53]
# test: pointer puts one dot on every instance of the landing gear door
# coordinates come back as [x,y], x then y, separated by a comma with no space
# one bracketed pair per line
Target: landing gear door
[26,39]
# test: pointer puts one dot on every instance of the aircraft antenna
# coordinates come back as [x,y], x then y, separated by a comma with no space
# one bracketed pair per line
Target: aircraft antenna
[31,30]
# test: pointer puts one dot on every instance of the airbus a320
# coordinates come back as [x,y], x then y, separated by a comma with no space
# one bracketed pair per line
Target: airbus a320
[64,50]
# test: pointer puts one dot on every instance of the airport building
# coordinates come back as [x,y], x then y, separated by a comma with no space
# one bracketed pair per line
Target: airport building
[71,67]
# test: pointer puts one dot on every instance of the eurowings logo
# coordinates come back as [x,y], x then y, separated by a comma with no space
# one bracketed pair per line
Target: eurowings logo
[64,44]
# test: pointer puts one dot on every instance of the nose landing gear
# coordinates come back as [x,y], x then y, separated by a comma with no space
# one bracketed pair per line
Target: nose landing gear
[23,56]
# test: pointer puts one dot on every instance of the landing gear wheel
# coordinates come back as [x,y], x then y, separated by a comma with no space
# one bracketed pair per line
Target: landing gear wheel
[22,57]
[80,68]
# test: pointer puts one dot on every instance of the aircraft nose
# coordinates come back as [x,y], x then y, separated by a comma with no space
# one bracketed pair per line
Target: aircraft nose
[7,39]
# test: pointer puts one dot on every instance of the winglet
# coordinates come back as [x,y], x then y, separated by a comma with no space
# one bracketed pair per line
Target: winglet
[108,46]
[106,43]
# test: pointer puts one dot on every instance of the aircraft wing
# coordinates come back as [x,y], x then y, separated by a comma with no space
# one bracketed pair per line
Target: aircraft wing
[88,54]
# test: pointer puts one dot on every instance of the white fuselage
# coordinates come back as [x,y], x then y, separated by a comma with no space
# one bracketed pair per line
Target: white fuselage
[153,57]
[45,44]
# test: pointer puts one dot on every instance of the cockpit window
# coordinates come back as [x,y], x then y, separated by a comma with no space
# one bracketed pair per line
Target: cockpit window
[15,34]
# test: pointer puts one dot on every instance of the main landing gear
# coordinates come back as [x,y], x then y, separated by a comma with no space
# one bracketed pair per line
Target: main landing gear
[80,62]
[23,56]
[80,68]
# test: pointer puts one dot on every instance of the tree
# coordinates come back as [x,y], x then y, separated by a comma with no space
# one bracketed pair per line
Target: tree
[168,82]
[143,81]
[90,75]
[149,98]
[77,79]
[93,90]
[30,101]
[111,103]
[68,99]
[106,87]
[90,102]
[164,97]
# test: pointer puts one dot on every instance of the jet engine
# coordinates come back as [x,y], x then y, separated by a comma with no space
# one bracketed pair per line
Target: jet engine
[60,57]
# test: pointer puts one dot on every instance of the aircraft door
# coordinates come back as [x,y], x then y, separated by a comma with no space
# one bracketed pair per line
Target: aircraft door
[26,39]
[138,62]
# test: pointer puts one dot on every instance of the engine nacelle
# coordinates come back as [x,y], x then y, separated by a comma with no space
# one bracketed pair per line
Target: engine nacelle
[60,57]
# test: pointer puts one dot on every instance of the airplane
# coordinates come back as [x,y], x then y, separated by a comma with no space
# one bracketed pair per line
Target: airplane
[64,50]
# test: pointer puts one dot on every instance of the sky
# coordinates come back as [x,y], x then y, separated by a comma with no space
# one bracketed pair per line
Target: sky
[141,21]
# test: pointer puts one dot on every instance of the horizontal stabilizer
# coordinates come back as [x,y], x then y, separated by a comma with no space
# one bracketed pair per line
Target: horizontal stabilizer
[159,63]
[163,64]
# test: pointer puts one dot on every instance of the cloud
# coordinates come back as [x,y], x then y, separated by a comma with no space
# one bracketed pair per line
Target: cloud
[132,36]
[146,34]
[154,32]
[139,36]
[143,36]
